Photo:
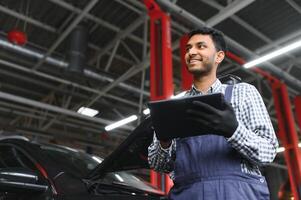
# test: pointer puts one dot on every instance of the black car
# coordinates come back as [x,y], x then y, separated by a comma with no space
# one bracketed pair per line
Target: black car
[30,170]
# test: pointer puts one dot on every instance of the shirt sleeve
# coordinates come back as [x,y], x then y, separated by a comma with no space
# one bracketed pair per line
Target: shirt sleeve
[254,137]
[160,159]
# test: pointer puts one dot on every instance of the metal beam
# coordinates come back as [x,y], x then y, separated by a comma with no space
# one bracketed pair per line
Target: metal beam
[22,100]
[23,90]
[144,52]
[59,80]
[90,5]
[294,5]
[118,37]
[132,71]
[142,9]
[53,29]
[104,23]
[27,19]
[280,41]
[251,29]
[25,101]
[26,114]
[62,64]
[66,22]
[130,7]
[108,65]
[238,20]
[290,80]
[228,11]
[38,114]
[93,18]
[117,56]
[129,51]
[65,5]
[57,89]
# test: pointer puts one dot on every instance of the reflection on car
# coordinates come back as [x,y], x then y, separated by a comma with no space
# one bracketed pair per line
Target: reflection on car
[31,170]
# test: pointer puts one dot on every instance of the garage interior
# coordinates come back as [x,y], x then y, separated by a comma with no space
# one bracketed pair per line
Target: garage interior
[96,54]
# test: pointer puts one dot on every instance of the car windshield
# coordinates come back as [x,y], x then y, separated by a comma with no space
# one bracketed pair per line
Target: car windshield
[84,163]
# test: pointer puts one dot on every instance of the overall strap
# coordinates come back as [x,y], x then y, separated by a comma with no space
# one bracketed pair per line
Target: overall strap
[228,93]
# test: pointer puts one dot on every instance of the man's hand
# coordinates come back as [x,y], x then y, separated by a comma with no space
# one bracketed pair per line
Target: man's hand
[214,121]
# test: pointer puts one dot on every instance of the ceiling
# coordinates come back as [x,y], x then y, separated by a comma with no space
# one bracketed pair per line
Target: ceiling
[39,97]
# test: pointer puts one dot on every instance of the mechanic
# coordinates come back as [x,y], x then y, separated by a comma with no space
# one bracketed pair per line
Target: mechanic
[223,164]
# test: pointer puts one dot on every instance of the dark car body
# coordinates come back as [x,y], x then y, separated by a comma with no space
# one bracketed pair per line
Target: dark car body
[29,170]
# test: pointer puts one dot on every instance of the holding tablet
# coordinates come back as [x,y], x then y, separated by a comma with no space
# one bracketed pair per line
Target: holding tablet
[170,118]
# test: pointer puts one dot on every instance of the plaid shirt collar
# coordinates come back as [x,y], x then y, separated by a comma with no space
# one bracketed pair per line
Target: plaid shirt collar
[215,87]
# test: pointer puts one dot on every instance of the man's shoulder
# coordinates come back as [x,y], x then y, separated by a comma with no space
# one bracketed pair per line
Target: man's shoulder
[244,86]
[245,90]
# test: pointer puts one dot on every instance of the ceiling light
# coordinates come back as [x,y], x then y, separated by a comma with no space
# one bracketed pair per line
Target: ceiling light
[282,149]
[146,111]
[273,54]
[121,122]
[87,111]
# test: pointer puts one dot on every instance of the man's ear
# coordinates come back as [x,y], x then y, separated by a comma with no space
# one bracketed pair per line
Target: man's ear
[220,56]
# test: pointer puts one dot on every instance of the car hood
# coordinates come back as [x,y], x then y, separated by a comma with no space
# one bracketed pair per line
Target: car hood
[130,154]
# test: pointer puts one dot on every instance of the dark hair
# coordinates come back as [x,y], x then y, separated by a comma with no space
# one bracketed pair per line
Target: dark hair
[217,37]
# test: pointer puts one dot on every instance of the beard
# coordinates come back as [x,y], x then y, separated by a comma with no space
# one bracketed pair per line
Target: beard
[203,70]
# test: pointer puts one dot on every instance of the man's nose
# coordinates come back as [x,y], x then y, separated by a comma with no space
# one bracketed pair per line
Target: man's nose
[192,51]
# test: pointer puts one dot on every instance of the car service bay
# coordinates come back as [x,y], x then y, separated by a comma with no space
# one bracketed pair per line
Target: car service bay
[77,79]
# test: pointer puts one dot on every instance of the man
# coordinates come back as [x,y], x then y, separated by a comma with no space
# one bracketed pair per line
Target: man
[222,164]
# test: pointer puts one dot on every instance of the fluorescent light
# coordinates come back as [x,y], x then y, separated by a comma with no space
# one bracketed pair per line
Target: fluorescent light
[273,54]
[121,122]
[282,149]
[87,111]
[146,111]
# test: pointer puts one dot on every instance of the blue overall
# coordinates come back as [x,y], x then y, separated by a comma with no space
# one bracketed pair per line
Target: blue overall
[208,168]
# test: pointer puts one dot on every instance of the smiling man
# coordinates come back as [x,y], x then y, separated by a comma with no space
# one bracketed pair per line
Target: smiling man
[224,162]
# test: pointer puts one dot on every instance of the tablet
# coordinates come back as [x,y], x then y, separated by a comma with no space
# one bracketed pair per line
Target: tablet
[169,117]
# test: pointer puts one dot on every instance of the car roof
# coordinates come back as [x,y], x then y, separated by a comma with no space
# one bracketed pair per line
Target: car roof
[18,137]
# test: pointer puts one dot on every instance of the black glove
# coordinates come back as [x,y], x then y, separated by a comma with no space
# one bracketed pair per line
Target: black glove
[213,121]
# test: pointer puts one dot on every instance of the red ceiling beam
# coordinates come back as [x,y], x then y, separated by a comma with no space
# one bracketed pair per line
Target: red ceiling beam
[286,126]
[161,73]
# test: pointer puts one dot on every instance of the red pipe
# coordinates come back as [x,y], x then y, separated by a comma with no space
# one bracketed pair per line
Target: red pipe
[297,102]
[161,73]
[187,78]
[287,132]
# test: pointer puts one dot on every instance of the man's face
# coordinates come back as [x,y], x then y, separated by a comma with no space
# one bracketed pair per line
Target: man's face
[201,56]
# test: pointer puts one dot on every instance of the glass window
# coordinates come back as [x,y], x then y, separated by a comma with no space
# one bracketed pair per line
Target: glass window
[70,159]
[12,157]
[85,163]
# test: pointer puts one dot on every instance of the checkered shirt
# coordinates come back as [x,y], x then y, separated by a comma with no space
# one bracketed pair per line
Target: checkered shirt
[254,137]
